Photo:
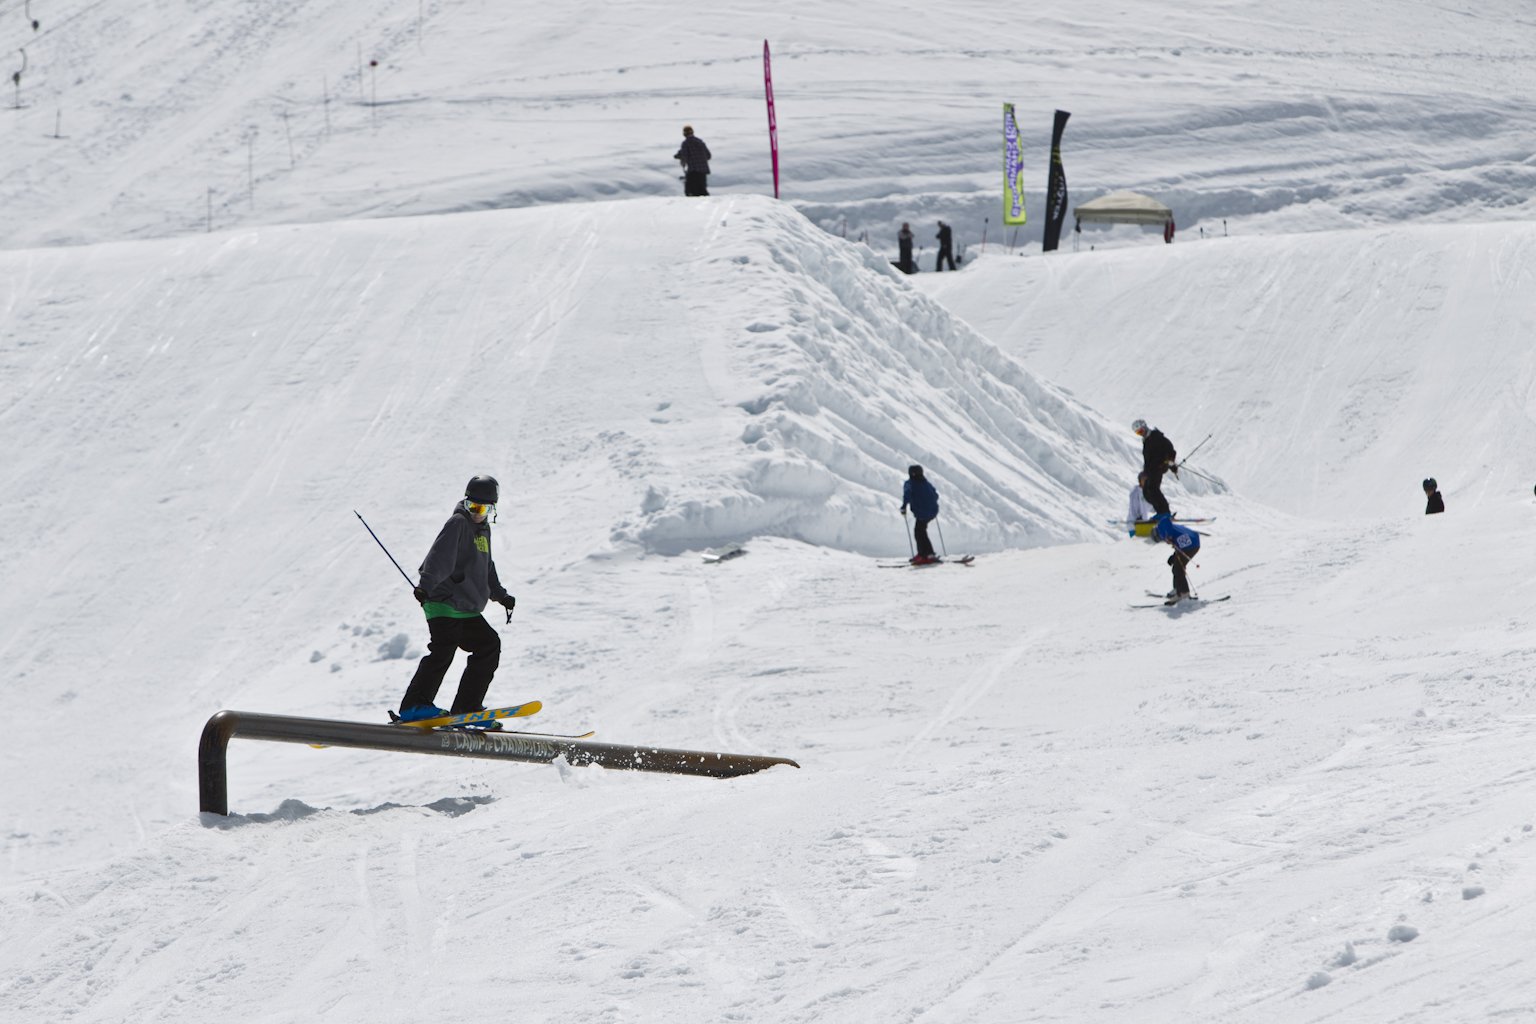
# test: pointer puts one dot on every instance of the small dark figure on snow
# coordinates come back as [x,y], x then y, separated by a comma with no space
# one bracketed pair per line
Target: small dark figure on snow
[1157,458]
[946,248]
[924,500]
[695,157]
[904,246]
[1432,492]
[458,579]
[1186,545]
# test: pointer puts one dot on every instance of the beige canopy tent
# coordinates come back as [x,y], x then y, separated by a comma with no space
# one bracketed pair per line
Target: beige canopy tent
[1123,208]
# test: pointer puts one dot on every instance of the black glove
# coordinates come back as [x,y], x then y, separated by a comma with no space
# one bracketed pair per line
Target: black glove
[419,594]
[509,602]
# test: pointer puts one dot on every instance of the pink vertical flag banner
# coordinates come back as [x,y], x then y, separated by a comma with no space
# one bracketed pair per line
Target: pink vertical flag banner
[773,121]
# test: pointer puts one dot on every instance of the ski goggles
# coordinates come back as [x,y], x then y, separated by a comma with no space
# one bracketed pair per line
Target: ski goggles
[477,508]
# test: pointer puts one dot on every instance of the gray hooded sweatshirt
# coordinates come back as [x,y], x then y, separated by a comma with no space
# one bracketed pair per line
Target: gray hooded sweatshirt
[458,573]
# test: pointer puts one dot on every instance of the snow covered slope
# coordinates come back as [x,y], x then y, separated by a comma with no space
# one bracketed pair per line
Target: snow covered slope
[1021,799]
[1269,114]
[1335,370]
[713,371]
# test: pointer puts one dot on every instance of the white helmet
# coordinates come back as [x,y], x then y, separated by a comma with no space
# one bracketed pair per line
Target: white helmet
[1139,426]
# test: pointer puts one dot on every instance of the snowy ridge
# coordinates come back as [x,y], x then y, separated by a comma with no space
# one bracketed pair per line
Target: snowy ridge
[856,377]
[815,376]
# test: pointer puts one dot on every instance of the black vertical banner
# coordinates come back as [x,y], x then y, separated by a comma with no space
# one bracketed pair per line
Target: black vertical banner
[1056,188]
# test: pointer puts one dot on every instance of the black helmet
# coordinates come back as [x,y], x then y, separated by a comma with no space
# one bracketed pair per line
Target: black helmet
[1430,485]
[482,489]
[915,471]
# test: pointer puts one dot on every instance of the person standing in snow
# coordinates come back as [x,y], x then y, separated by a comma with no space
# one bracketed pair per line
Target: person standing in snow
[924,501]
[458,578]
[1157,457]
[695,157]
[1139,511]
[904,247]
[1432,492]
[946,248]
[1186,545]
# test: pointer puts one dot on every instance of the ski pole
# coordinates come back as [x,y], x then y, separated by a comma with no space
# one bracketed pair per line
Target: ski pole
[942,546]
[382,547]
[1197,447]
[906,528]
[1197,473]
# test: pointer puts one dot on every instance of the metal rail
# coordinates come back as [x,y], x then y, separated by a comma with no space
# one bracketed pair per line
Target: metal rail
[213,775]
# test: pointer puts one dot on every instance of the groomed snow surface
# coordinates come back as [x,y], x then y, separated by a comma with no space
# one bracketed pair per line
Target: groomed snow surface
[1020,798]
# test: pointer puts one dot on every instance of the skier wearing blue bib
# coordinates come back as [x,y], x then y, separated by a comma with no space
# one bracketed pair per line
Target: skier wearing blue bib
[1186,545]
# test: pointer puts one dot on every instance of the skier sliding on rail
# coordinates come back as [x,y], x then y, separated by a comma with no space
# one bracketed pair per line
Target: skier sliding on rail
[458,579]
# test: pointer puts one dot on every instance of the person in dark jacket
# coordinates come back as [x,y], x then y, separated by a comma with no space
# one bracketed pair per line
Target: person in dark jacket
[1186,545]
[924,501]
[946,248]
[1432,492]
[1157,458]
[904,246]
[695,157]
[458,578]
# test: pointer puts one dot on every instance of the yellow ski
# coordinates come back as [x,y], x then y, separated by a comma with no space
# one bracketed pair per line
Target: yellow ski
[472,717]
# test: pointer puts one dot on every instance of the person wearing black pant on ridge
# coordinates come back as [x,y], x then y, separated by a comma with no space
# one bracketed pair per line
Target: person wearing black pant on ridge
[458,579]
[946,254]
[695,157]
[1157,457]
[1432,492]
[904,249]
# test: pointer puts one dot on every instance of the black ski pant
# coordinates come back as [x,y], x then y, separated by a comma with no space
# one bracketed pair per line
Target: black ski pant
[1180,578]
[1152,490]
[695,183]
[944,254]
[920,532]
[448,636]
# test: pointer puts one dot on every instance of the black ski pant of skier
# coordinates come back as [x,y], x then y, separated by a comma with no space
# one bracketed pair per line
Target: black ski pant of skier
[695,183]
[1180,578]
[920,532]
[1152,490]
[450,635]
[944,254]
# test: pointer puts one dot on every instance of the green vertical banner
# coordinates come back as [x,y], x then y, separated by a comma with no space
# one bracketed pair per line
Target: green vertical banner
[1013,170]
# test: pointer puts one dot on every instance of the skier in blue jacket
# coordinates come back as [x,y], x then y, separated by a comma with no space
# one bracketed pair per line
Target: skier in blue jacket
[1186,545]
[924,500]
